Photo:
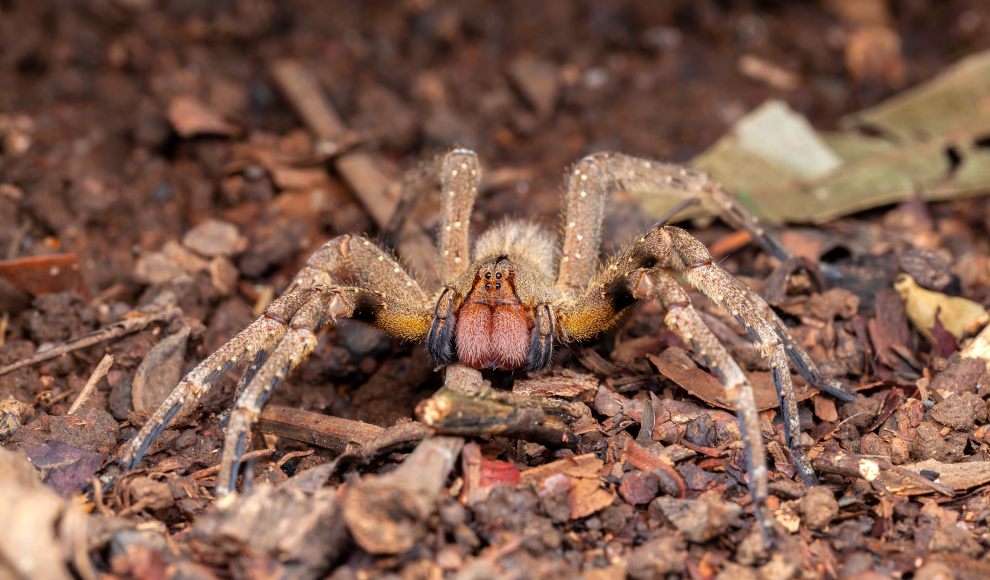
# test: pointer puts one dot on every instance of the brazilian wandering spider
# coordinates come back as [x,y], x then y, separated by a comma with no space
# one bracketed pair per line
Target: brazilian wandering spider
[506,304]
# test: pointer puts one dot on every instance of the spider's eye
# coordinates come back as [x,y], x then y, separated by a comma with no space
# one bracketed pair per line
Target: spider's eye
[498,276]
[498,286]
[488,275]
[488,286]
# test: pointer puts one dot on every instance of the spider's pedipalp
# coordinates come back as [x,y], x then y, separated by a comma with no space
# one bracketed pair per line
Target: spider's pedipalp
[440,340]
[540,353]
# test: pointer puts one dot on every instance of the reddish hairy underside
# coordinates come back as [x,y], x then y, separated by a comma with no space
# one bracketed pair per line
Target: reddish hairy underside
[492,326]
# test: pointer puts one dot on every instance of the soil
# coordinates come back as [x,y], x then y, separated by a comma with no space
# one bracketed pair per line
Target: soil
[153,168]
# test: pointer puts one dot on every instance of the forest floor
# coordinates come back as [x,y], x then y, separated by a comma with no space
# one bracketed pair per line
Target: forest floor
[161,183]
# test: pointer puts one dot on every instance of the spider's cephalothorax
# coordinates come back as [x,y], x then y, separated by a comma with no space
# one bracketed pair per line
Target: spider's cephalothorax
[506,304]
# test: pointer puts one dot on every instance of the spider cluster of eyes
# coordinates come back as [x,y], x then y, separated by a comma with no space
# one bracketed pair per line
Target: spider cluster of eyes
[488,285]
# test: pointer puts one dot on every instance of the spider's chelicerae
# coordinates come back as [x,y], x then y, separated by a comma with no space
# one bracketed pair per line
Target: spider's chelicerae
[507,303]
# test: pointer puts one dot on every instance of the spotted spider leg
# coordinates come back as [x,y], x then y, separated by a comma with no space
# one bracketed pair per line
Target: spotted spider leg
[398,306]
[252,342]
[683,319]
[591,304]
[326,304]
[633,173]
[690,256]
[637,274]
[406,304]
[679,181]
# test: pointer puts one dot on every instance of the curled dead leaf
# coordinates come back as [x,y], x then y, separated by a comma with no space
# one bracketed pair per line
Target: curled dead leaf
[957,315]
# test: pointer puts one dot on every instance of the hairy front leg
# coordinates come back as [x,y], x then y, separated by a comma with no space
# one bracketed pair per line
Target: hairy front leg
[679,181]
[325,304]
[251,343]
[458,174]
[397,306]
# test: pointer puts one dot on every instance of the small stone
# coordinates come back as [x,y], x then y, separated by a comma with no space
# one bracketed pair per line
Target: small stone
[698,520]
[872,445]
[934,571]
[173,264]
[900,451]
[539,83]
[215,238]
[928,267]
[657,558]
[733,571]
[151,494]
[818,508]
[952,539]
[930,444]
[955,412]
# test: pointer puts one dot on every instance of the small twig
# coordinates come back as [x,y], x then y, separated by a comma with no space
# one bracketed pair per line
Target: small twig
[293,455]
[316,428]
[488,412]
[99,373]
[918,478]
[214,469]
[4,321]
[848,464]
[646,425]
[116,331]
[38,398]
[18,239]
[98,497]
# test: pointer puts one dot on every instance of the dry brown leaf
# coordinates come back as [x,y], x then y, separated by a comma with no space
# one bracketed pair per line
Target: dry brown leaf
[706,387]
[190,117]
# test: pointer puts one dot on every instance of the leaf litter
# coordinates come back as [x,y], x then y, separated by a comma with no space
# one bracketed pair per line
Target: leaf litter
[623,459]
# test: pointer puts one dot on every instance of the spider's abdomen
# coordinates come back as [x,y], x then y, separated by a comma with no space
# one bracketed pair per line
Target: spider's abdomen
[493,329]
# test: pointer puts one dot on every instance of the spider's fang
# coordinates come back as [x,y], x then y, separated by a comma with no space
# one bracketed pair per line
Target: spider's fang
[336,307]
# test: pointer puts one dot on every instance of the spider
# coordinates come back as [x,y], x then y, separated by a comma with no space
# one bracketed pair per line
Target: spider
[510,301]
